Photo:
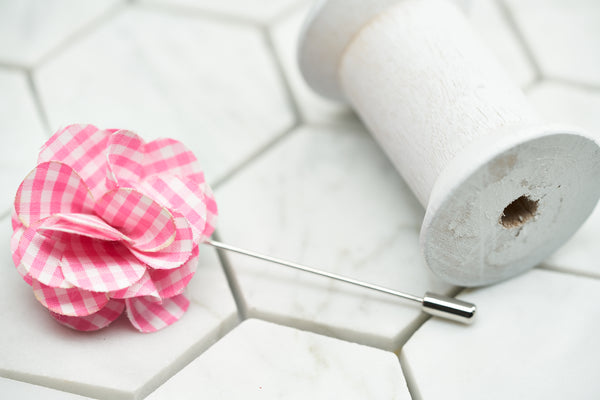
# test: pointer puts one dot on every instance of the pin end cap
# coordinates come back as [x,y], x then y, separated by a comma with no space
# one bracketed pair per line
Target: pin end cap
[449,308]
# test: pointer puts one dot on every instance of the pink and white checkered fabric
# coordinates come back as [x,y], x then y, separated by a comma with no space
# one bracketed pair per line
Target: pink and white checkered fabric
[98,320]
[107,222]
[149,316]
[74,302]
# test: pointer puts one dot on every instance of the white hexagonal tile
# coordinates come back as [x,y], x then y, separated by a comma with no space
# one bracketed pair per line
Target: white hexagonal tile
[581,253]
[488,21]
[254,10]
[20,390]
[536,337]
[312,107]
[29,29]
[568,104]
[327,197]
[22,134]
[261,360]
[564,36]
[117,362]
[211,85]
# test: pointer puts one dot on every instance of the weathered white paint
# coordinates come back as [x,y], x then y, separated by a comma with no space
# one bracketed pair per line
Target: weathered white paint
[457,129]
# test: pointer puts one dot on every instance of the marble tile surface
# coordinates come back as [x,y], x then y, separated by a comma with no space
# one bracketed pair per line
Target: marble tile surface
[30,29]
[262,11]
[313,108]
[22,134]
[11,389]
[291,364]
[114,363]
[568,104]
[208,72]
[536,337]
[327,197]
[577,106]
[564,36]
[489,22]
[211,85]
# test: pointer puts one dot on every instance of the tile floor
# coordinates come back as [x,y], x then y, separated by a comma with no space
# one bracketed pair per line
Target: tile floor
[221,76]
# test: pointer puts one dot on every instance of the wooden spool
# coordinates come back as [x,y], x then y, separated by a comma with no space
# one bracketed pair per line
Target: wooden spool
[502,189]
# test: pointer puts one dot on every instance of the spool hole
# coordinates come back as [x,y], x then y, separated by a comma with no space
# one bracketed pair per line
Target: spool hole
[518,212]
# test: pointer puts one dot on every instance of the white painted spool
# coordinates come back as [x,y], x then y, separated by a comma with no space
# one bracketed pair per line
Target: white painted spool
[501,190]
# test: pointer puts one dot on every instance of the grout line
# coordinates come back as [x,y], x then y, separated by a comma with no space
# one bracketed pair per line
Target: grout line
[195,12]
[525,47]
[67,387]
[81,33]
[292,103]
[560,270]
[12,67]
[232,281]
[5,214]
[526,88]
[253,157]
[409,378]
[320,328]
[281,74]
[287,12]
[38,100]
[185,358]
[574,83]
[418,323]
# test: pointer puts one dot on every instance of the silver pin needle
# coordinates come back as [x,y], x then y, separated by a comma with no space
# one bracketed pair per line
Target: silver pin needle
[431,303]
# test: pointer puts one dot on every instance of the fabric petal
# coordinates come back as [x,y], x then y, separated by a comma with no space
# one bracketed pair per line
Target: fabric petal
[98,265]
[41,258]
[83,148]
[125,158]
[172,282]
[80,224]
[51,188]
[17,255]
[182,195]
[211,212]
[73,302]
[143,287]
[98,320]
[169,156]
[149,225]
[14,219]
[150,316]
[176,253]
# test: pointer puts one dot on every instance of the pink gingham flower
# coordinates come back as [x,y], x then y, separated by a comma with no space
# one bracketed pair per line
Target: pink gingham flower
[107,223]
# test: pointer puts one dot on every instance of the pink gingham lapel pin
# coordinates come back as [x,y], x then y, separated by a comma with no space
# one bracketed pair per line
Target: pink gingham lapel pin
[107,223]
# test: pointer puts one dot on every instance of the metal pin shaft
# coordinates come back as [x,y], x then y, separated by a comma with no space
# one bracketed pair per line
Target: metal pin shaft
[431,303]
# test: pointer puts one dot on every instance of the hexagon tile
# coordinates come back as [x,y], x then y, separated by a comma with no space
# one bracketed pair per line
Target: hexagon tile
[11,389]
[262,11]
[488,21]
[536,337]
[22,134]
[156,73]
[327,197]
[290,364]
[117,362]
[30,29]
[564,36]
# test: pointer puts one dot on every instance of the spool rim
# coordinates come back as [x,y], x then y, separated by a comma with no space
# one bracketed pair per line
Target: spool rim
[328,30]
[465,172]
